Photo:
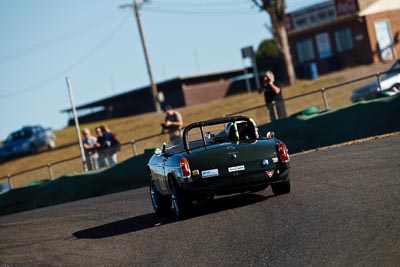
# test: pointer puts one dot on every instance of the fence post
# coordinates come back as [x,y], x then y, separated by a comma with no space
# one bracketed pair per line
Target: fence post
[50,171]
[275,114]
[9,181]
[134,147]
[379,81]
[323,91]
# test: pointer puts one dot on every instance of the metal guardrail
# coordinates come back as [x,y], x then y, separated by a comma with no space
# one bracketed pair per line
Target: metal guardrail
[133,143]
[48,166]
[323,91]
[51,165]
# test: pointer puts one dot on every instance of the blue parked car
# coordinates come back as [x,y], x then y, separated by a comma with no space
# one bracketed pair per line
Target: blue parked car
[27,141]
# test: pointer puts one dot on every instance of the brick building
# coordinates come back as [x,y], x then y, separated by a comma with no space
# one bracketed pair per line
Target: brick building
[341,33]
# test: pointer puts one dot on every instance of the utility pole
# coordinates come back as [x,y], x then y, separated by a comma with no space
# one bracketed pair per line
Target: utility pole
[135,6]
[78,131]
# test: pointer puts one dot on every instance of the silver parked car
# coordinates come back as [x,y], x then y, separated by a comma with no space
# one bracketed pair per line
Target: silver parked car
[390,85]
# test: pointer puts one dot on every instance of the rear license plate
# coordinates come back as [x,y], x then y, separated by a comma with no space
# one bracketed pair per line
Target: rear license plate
[236,168]
[209,173]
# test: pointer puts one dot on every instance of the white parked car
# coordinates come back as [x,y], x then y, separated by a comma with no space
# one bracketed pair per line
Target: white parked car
[390,85]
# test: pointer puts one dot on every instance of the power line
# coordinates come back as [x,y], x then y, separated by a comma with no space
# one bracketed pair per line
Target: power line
[213,8]
[204,4]
[198,12]
[302,4]
[61,37]
[74,65]
[222,8]
[183,9]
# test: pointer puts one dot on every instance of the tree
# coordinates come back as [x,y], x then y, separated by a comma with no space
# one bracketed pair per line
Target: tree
[276,11]
[268,57]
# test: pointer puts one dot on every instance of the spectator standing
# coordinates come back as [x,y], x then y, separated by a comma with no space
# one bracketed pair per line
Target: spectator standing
[173,124]
[91,154]
[273,97]
[108,145]
[101,147]
[115,144]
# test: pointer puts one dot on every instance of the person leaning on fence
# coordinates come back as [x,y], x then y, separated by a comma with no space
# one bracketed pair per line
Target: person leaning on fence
[173,124]
[273,97]
[114,144]
[89,145]
[100,147]
[107,153]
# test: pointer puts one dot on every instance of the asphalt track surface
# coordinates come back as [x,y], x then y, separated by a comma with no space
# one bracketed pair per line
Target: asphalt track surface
[343,211]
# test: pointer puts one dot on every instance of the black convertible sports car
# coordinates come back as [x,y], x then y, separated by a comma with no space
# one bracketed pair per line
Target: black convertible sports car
[217,157]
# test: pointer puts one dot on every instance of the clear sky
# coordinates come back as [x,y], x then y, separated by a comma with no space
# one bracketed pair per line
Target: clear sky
[97,45]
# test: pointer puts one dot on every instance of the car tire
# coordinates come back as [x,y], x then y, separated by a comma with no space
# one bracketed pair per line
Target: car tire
[160,203]
[180,202]
[281,188]
[32,149]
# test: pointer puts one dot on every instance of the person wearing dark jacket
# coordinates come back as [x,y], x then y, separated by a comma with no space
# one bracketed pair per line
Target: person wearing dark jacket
[106,146]
[273,97]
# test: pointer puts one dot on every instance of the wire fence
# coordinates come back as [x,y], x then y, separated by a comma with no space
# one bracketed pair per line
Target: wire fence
[134,147]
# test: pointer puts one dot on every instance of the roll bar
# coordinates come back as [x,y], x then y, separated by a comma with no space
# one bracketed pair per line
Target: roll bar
[201,124]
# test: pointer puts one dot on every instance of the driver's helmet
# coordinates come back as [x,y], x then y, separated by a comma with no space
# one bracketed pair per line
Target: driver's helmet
[242,130]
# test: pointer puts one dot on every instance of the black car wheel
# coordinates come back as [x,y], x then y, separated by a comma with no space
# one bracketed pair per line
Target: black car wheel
[281,188]
[160,203]
[32,149]
[180,202]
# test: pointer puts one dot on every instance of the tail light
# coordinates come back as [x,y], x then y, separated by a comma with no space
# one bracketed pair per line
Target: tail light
[283,152]
[185,167]
[270,134]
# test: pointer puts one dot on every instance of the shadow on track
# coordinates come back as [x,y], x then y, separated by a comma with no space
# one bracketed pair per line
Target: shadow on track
[124,226]
[150,220]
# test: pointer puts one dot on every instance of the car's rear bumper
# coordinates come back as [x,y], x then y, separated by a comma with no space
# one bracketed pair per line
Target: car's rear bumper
[224,185]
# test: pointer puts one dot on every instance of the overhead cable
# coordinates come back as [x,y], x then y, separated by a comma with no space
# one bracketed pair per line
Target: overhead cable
[61,37]
[62,73]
